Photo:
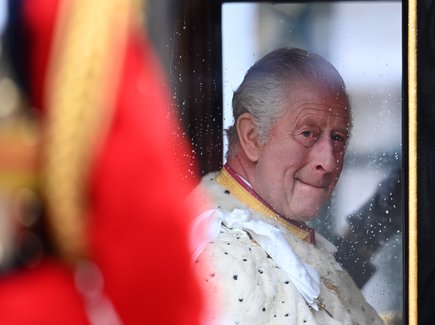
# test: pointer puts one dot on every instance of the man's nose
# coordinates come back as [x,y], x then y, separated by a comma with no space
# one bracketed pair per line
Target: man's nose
[323,155]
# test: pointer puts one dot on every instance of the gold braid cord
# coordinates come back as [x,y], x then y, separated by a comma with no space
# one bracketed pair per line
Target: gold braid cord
[84,67]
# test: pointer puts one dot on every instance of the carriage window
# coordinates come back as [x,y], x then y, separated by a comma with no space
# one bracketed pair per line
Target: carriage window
[363,40]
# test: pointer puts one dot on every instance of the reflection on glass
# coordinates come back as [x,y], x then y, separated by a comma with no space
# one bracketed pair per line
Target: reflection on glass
[367,205]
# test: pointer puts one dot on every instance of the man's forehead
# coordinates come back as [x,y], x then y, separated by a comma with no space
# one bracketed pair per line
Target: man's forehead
[300,88]
[315,114]
[321,101]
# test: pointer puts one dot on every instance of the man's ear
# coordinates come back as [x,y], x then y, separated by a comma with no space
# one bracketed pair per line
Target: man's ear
[248,136]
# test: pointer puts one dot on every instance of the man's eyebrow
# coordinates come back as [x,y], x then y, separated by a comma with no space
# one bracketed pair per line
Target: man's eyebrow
[307,119]
[346,131]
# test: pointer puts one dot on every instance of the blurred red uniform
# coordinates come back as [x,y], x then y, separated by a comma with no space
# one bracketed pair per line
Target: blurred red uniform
[136,226]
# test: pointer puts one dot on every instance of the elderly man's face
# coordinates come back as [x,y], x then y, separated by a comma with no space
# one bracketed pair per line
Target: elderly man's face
[299,165]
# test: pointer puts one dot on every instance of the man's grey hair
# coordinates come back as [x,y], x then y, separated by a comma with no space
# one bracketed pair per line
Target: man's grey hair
[268,83]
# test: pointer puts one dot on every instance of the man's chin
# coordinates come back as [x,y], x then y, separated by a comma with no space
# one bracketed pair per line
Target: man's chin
[303,214]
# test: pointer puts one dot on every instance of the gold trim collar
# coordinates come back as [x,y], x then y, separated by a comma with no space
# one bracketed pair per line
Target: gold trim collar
[229,179]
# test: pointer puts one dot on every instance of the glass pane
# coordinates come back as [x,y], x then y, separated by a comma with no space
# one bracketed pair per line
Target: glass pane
[363,40]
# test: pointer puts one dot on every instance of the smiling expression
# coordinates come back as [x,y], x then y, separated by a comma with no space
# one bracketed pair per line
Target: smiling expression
[298,167]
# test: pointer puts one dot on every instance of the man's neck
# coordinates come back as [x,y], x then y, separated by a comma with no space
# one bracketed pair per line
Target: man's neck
[242,167]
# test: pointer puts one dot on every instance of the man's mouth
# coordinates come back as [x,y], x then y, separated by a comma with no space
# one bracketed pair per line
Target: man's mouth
[319,184]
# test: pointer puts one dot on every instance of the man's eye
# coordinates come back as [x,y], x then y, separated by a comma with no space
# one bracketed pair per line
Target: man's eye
[308,134]
[338,138]
[307,137]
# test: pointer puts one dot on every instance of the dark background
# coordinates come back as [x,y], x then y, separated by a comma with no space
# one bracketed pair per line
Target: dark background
[426,159]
